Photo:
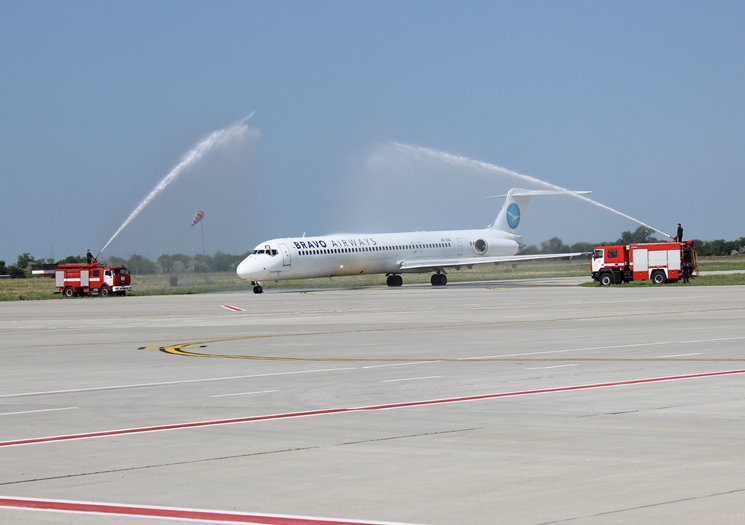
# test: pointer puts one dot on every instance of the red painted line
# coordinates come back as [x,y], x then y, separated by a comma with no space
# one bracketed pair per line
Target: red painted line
[213,516]
[330,411]
[232,308]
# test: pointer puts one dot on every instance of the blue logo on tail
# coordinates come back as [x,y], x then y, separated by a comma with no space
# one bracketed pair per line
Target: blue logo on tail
[513,215]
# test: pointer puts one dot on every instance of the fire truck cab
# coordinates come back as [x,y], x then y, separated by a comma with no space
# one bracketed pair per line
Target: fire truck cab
[86,279]
[660,262]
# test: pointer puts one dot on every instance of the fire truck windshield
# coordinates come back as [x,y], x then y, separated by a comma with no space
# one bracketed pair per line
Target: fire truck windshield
[120,271]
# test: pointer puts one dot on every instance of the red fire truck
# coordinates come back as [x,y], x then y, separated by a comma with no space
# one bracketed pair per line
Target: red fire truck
[86,279]
[662,262]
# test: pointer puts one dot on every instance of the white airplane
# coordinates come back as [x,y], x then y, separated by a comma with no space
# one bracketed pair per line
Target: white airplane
[395,253]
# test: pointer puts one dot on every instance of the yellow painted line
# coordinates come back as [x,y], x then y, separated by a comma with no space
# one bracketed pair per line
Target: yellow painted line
[179,350]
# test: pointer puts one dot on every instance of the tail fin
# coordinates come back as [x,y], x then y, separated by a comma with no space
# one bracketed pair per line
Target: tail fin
[510,216]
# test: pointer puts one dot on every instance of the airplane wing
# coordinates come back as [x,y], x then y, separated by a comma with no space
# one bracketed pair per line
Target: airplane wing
[458,263]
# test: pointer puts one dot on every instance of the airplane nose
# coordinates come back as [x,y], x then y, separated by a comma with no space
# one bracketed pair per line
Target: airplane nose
[244,269]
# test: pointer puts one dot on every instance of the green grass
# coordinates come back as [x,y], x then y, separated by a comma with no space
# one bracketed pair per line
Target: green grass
[36,288]
[190,283]
[711,264]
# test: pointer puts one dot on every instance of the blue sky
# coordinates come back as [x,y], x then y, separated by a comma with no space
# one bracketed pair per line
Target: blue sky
[641,102]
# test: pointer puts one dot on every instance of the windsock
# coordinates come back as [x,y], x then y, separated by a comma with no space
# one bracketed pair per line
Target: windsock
[198,216]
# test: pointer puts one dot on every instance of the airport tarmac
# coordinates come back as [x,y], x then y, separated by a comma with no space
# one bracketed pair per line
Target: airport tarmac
[522,402]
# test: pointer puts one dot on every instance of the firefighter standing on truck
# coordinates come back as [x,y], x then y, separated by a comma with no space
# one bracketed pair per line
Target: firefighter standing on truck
[680,233]
[89,256]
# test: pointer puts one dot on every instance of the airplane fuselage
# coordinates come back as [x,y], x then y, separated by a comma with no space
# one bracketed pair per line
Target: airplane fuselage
[394,253]
[386,253]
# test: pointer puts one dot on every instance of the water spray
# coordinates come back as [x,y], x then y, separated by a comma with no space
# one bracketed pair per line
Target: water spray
[215,138]
[465,161]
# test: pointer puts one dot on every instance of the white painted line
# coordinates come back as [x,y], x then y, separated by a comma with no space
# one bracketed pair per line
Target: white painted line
[37,411]
[677,355]
[167,383]
[410,379]
[400,364]
[569,350]
[246,393]
[548,367]
[712,340]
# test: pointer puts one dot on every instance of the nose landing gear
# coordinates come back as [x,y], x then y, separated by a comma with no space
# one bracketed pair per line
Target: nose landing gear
[257,287]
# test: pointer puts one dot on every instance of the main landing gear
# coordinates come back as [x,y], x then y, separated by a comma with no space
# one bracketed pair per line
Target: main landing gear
[439,279]
[394,280]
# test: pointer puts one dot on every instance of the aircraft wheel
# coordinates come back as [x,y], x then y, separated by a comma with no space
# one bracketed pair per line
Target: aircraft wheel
[399,280]
[439,279]
[391,280]
[258,289]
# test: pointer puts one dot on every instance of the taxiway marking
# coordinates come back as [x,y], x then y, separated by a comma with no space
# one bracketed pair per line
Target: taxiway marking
[232,308]
[550,367]
[409,379]
[182,350]
[172,513]
[246,393]
[166,383]
[37,411]
[370,408]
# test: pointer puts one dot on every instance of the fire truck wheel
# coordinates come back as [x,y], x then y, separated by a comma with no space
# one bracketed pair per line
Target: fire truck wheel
[659,277]
[68,292]
[104,291]
[606,279]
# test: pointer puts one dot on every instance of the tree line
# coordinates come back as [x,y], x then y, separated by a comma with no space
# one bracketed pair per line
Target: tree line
[718,247]
[137,264]
[223,262]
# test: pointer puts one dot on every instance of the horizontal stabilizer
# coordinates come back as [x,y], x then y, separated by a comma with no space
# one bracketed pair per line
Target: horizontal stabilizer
[510,217]
[535,193]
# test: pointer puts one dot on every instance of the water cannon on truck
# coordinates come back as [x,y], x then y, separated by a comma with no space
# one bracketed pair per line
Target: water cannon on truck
[660,262]
[90,278]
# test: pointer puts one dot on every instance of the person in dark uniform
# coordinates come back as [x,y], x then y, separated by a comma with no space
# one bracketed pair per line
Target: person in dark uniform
[89,256]
[687,267]
[680,233]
